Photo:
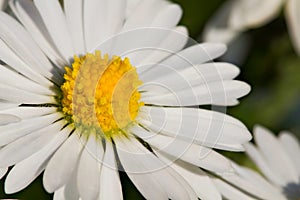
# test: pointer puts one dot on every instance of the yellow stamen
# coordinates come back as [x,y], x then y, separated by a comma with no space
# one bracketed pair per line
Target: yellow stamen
[101,94]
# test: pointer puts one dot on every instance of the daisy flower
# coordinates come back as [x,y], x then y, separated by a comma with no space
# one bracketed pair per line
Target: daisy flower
[235,17]
[102,86]
[277,158]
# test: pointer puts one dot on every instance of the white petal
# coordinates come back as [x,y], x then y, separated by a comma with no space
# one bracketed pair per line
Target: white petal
[6,105]
[62,164]
[245,185]
[179,177]
[3,172]
[275,155]
[74,16]
[94,11]
[186,151]
[217,28]
[208,128]
[110,184]
[253,183]
[71,188]
[262,164]
[252,14]
[149,9]
[29,112]
[25,146]
[145,183]
[59,194]
[230,192]
[69,191]
[19,40]
[196,75]
[12,94]
[88,177]
[7,119]
[14,131]
[198,180]
[196,55]
[182,93]
[191,56]
[131,5]
[225,36]
[55,21]
[293,21]
[8,56]
[132,44]
[102,19]
[26,171]
[168,17]
[160,48]
[11,78]
[165,49]
[155,14]
[291,145]
[115,16]
[143,163]
[28,14]
[194,85]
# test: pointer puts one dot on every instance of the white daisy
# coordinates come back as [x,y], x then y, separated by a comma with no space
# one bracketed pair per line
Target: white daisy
[235,17]
[82,118]
[278,160]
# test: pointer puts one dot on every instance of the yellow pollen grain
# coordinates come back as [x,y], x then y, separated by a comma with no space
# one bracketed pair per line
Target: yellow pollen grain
[101,93]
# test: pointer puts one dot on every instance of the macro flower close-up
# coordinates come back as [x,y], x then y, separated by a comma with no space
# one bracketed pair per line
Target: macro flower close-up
[95,88]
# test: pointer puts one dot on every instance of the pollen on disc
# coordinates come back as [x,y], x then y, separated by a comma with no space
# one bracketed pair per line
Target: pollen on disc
[100,94]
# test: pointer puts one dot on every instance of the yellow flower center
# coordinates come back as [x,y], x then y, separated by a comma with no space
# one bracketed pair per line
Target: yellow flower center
[100,94]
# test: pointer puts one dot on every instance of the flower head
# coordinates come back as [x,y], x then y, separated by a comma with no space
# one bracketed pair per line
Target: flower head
[98,87]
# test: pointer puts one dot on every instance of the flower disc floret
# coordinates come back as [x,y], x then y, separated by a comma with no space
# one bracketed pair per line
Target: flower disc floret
[101,93]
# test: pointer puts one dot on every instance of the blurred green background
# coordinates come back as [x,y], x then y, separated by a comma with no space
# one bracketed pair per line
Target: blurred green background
[271,67]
